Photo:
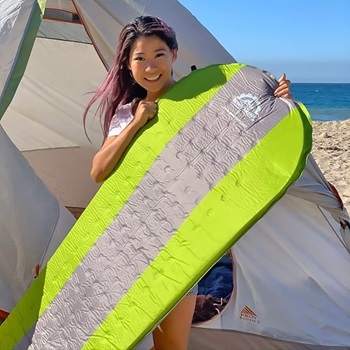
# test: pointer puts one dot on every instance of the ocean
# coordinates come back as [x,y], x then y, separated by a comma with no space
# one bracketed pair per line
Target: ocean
[324,102]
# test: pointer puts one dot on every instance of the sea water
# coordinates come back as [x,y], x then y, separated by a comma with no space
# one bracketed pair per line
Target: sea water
[324,102]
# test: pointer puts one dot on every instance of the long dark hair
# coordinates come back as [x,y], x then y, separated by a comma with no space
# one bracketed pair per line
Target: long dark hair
[119,86]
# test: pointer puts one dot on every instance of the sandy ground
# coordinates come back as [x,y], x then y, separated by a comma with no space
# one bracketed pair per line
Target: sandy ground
[331,150]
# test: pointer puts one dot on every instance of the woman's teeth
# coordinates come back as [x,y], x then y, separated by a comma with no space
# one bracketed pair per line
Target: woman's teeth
[153,78]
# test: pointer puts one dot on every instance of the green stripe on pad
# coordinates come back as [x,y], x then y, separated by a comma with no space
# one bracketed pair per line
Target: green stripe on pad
[223,216]
[109,200]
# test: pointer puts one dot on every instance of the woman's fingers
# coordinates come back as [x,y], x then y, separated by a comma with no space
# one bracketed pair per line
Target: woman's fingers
[283,89]
[283,77]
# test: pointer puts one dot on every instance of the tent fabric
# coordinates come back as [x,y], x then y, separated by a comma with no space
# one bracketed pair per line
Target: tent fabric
[311,187]
[32,223]
[56,88]
[71,32]
[68,179]
[213,339]
[65,5]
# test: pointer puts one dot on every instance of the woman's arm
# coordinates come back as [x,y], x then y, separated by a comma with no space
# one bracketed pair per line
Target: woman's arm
[108,156]
[113,148]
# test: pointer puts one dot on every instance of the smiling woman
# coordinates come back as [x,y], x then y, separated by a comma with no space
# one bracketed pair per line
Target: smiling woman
[151,65]
[142,72]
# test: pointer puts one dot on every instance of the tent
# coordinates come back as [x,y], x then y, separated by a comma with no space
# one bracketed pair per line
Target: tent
[291,286]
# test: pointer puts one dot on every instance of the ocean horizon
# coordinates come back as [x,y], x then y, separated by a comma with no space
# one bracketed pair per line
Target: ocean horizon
[324,101]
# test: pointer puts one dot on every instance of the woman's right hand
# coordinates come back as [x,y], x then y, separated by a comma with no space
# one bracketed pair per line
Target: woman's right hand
[145,111]
[113,148]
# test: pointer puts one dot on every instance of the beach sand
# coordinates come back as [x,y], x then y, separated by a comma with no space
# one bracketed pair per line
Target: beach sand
[331,150]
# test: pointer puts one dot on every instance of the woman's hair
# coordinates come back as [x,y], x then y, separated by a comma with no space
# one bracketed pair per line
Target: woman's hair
[119,86]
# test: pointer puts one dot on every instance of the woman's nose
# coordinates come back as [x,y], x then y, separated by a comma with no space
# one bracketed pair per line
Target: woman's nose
[150,65]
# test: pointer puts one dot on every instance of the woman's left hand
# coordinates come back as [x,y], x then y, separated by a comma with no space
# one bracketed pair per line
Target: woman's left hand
[283,87]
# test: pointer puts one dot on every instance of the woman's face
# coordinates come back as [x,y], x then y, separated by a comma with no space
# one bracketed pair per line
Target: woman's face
[151,64]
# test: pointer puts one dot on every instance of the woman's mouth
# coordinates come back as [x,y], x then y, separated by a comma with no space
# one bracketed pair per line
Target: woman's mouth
[152,79]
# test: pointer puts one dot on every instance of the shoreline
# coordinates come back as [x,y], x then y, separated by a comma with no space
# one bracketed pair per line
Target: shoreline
[331,150]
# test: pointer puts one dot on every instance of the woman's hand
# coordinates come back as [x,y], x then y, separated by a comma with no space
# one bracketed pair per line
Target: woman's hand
[145,111]
[283,87]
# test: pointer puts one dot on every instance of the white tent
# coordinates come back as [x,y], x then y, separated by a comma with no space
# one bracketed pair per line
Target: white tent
[292,286]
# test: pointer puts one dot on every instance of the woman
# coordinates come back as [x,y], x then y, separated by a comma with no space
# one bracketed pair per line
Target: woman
[140,74]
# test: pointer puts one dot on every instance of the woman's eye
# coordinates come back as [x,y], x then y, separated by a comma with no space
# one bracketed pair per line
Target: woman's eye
[160,54]
[139,59]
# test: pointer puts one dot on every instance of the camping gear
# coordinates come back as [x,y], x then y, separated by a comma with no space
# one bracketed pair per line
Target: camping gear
[163,218]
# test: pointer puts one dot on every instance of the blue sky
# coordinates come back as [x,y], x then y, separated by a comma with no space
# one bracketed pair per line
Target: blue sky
[307,39]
